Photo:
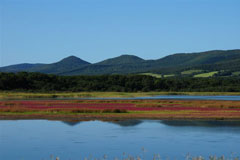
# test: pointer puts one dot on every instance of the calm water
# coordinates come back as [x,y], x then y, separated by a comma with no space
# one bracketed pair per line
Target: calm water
[183,97]
[180,97]
[38,139]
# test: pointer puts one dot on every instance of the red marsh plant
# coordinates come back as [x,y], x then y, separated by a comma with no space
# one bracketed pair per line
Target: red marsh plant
[149,105]
[17,109]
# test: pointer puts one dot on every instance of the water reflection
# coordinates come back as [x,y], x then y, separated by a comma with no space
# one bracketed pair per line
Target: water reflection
[37,139]
[72,123]
[174,123]
[180,97]
[201,123]
[165,97]
[122,123]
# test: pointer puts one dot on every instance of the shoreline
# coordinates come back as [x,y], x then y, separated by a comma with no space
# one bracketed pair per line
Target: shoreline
[4,95]
[108,119]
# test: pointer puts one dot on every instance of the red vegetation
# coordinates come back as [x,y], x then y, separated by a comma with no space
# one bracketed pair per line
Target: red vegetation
[161,108]
[98,105]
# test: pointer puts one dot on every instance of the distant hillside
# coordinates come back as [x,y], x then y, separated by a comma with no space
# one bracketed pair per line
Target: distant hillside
[218,62]
[118,65]
[19,67]
[172,64]
[64,65]
[210,60]
[202,58]
[123,59]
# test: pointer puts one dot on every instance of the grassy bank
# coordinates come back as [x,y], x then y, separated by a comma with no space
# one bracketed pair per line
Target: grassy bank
[25,95]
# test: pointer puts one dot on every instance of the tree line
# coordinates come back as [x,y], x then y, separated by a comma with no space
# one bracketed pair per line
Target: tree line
[38,82]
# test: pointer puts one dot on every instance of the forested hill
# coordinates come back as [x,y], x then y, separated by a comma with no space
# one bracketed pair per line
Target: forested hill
[210,63]
[66,64]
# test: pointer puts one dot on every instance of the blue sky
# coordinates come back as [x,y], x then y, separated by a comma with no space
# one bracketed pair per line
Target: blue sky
[48,30]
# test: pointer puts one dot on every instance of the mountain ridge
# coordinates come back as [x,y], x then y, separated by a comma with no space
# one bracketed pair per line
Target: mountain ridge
[122,59]
[127,64]
[65,64]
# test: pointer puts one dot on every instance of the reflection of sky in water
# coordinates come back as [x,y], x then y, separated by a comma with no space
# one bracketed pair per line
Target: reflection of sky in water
[37,139]
[174,97]
[186,97]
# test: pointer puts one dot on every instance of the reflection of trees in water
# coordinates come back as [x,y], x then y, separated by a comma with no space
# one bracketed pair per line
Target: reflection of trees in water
[122,123]
[201,123]
[132,123]
[71,123]
[128,123]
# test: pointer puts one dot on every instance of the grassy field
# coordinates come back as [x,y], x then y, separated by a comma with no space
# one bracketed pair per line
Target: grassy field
[158,75]
[204,75]
[120,109]
[152,74]
[191,72]
[236,73]
[168,75]
[26,95]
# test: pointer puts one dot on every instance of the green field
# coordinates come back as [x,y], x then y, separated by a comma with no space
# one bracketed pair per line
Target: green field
[158,75]
[152,74]
[169,75]
[204,75]
[191,72]
[236,73]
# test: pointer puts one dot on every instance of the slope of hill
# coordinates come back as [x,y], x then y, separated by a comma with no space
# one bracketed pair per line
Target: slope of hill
[219,61]
[176,63]
[19,67]
[123,59]
[210,60]
[118,65]
[209,57]
[64,65]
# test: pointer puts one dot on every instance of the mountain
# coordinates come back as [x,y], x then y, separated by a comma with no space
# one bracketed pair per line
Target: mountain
[123,59]
[118,65]
[19,67]
[64,65]
[209,57]
[176,63]
[210,60]
[217,61]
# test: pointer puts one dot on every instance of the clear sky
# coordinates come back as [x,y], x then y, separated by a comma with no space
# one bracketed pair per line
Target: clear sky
[48,30]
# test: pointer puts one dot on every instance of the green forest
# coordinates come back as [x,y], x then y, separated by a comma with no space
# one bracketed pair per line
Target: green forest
[39,82]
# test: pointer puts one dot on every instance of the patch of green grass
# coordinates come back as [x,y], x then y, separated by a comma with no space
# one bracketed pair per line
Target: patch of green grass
[152,74]
[236,73]
[158,75]
[191,72]
[204,75]
[169,75]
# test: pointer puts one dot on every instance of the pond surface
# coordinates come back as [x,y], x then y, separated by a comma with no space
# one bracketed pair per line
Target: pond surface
[181,97]
[232,98]
[174,97]
[39,139]
[166,97]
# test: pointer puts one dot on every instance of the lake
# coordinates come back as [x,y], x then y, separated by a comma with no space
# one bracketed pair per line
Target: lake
[39,139]
[179,97]
[159,97]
